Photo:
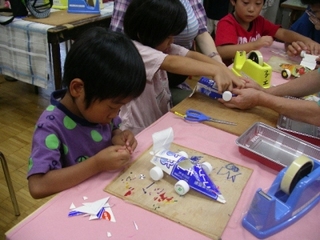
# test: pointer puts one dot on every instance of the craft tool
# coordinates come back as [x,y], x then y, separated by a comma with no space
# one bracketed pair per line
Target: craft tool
[252,66]
[294,192]
[196,116]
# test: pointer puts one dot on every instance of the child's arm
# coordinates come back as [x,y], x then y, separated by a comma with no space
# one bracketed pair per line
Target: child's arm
[195,63]
[54,181]
[296,42]
[228,52]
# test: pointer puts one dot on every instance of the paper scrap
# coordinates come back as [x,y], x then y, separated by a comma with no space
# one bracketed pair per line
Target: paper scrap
[72,206]
[99,209]
[162,139]
[108,214]
[309,61]
[135,225]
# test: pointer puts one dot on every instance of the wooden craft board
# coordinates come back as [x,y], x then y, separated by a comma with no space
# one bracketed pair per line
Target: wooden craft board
[60,18]
[215,109]
[193,210]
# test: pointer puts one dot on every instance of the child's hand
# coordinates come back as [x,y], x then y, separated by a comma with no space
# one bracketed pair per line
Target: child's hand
[313,48]
[112,158]
[125,138]
[264,41]
[225,79]
[295,48]
[253,84]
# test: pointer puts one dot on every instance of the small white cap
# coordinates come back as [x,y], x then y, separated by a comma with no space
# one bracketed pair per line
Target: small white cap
[207,167]
[156,173]
[184,154]
[181,187]
[302,53]
[226,96]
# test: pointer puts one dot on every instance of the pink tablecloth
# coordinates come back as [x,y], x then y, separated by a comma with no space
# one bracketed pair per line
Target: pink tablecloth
[51,220]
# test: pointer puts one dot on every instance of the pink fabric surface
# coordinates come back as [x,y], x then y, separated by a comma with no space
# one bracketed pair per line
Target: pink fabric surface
[51,221]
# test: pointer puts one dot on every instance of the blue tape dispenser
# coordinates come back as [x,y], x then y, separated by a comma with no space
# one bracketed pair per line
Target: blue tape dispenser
[294,192]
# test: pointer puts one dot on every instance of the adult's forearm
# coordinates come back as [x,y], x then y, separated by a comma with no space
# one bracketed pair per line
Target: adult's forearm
[307,84]
[301,110]
[203,58]
[229,51]
[188,66]
[207,45]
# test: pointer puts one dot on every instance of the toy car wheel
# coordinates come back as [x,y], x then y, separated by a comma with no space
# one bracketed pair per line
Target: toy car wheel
[285,73]
[207,167]
[156,173]
[184,154]
[181,187]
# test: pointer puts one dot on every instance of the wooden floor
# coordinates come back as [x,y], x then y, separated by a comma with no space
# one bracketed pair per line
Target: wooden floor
[20,107]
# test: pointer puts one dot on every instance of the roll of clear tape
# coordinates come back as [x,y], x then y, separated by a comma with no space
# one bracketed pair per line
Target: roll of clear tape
[298,169]
[256,56]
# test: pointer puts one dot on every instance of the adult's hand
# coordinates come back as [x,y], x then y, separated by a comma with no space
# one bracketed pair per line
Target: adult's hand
[245,98]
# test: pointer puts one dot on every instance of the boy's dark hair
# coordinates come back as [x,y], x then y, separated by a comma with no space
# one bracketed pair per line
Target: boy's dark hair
[264,1]
[150,22]
[108,63]
[310,2]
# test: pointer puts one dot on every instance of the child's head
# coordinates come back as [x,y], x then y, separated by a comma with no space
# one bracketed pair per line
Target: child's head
[108,64]
[310,2]
[150,22]
[313,12]
[247,10]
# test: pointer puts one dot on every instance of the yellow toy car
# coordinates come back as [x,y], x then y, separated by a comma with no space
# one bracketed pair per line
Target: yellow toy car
[294,70]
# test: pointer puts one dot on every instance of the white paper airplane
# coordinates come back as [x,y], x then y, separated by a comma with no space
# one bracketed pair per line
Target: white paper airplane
[95,210]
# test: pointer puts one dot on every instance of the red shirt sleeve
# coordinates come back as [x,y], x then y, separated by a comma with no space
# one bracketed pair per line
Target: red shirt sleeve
[226,31]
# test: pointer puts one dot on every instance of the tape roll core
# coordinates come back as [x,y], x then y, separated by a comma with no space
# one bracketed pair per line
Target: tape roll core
[298,169]
[256,56]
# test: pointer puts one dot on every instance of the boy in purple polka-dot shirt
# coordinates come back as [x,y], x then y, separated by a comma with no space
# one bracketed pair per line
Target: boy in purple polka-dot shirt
[78,135]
